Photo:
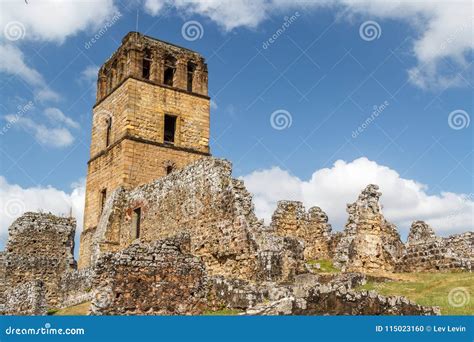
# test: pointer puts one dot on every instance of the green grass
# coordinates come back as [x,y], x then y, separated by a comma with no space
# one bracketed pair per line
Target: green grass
[76,310]
[326,266]
[430,289]
[222,312]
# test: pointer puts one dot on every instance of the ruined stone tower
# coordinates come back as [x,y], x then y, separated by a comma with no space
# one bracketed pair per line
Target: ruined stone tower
[151,117]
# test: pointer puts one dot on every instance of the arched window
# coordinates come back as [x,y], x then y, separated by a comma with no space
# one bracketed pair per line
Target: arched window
[108,131]
[169,169]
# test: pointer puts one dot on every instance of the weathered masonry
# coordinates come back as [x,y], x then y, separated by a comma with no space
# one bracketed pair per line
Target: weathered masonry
[151,117]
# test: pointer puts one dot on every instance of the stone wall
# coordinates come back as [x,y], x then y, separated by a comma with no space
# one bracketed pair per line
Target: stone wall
[215,209]
[291,219]
[427,252]
[369,242]
[160,278]
[3,286]
[76,287]
[27,298]
[40,247]
[311,295]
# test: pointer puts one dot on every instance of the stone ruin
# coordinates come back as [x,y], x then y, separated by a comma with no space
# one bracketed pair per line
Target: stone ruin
[38,267]
[369,242]
[427,252]
[197,245]
[290,219]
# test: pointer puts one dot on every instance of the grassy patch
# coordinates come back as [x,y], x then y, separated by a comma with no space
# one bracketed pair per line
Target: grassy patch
[51,311]
[326,266]
[431,289]
[76,310]
[222,312]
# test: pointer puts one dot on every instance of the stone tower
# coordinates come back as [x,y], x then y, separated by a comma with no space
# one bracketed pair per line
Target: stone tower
[151,117]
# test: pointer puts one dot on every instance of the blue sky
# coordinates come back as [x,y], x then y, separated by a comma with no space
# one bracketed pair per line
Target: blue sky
[321,75]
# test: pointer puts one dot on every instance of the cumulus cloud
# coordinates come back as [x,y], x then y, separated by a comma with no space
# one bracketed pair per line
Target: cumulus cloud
[13,63]
[55,20]
[403,200]
[89,74]
[48,21]
[442,29]
[55,135]
[16,200]
[55,115]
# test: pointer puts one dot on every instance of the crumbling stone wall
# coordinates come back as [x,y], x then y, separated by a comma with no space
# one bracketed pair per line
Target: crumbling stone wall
[369,242]
[76,287]
[28,298]
[291,219]
[160,278]
[314,295]
[427,252]
[40,247]
[2,281]
[215,209]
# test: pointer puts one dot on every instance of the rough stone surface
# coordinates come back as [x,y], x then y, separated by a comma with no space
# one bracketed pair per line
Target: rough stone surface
[76,287]
[40,247]
[369,242]
[215,209]
[420,233]
[160,278]
[427,252]
[28,298]
[310,296]
[291,219]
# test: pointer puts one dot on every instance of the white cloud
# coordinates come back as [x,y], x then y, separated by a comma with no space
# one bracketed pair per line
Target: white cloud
[154,7]
[16,200]
[48,136]
[57,116]
[13,63]
[403,200]
[89,74]
[44,20]
[55,20]
[443,29]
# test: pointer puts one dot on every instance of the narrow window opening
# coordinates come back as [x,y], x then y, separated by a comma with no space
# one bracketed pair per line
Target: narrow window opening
[170,129]
[137,215]
[103,196]
[146,66]
[191,69]
[169,169]
[108,131]
[170,68]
